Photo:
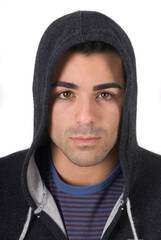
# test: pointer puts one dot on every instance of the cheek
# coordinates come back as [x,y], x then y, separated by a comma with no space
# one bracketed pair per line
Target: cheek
[59,119]
[112,117]
[60,114]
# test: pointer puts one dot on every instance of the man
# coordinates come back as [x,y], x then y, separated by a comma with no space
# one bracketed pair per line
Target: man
[84,176]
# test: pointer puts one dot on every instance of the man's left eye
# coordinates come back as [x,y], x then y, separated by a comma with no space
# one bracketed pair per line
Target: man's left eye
[105,95]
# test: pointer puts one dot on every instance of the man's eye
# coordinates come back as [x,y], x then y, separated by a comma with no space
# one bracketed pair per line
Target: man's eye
[65,95]
[106,95]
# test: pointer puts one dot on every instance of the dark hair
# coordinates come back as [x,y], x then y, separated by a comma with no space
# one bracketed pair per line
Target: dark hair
[91,47]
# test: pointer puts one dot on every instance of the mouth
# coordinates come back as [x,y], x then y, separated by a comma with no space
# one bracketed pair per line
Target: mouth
[85,140]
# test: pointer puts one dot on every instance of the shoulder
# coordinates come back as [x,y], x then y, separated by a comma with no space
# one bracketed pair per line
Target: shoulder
[13,205]
[10,177]
[150,160]
[146,154]
[11,165]
[148,171]
[13,156]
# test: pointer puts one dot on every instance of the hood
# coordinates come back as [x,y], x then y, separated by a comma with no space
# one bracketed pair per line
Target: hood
[62,34]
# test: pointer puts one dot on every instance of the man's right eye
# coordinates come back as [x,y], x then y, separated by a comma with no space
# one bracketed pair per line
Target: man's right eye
[65,95]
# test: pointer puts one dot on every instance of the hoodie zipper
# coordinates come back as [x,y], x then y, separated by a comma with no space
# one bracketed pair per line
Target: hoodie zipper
[113,223]
[52,226]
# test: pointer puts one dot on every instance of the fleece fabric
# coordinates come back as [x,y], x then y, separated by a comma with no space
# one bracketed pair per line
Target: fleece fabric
[27,209]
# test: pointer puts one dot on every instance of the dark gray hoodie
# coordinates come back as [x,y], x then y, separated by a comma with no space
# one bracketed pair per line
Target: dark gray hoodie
[27,208]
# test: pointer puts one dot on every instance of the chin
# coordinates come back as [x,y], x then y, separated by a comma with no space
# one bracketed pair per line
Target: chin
[83,162]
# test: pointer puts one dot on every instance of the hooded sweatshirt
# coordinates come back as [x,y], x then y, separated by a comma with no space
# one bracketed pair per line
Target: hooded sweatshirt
[27,208]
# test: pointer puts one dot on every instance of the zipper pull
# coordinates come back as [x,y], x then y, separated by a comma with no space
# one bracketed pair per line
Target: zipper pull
[121,205]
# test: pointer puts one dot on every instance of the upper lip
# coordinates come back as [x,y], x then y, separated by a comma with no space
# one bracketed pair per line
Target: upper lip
[86,138]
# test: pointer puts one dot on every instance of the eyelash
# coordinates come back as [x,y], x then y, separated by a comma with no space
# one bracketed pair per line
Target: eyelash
[110,95]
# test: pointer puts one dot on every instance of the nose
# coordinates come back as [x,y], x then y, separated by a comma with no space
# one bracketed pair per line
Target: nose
[85,112]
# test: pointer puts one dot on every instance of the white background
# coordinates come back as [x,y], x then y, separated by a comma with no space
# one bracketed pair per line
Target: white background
[22,24]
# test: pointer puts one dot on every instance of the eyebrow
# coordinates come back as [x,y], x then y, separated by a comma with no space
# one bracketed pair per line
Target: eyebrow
[64,84]
[95,88]
[106,85]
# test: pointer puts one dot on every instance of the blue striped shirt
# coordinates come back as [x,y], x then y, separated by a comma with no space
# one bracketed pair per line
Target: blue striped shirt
[84,210]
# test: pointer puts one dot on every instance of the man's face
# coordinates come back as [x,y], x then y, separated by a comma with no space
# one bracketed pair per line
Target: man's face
[85,107]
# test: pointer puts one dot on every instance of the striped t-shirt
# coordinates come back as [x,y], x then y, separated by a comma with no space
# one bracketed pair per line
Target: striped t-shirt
[84,210]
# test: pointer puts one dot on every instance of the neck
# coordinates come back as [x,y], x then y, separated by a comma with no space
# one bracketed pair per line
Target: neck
[83,176]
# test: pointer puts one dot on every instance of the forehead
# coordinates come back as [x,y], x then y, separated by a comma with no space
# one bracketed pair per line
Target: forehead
[90,69]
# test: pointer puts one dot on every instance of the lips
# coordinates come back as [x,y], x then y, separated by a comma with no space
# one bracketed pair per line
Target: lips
[85,140]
